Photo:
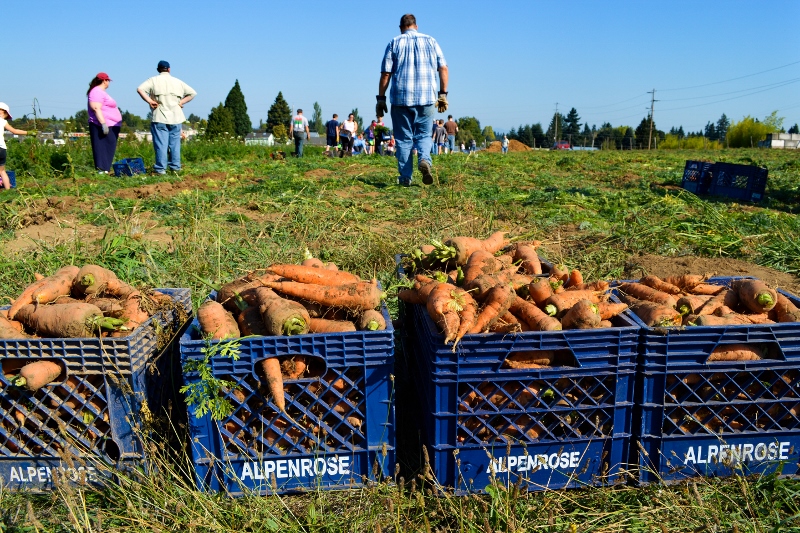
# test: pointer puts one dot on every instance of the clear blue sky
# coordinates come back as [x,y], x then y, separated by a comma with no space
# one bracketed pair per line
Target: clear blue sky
[510,61]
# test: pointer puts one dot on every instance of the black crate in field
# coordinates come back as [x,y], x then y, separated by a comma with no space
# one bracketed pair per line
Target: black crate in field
[740,182]
[697,176]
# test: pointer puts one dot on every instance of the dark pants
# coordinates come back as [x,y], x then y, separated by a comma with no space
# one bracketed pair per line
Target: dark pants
[103,146]
[347,145]
[299,140]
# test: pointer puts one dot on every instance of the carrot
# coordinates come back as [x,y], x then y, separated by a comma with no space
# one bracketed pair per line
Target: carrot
[371,320]
[755,295]
[724,310]
[38,287]
[495,242]
[363,295]
[311,261]
[281,316]
[36,375]
[295,367]
[271,368]
[332,266]
[530,359]
[507,323]
[59,284]
[460,249]
[467,313]
[238,294]
[723,298]
[560,272]
[763,318]
[606,324]
[539,290]
[725,320]
[109,306]
[316,310]
[529,260]
[321,325]
[498,300]
[216,321]
[132,313]
[251,323]
[686,281]
[443,308]
[785,310]
[569,298]
[735,352]
[9,329]
[534,317]
[643,292]
[481,285]
[582,315]
[480,262]
[66,320]
[707,288]
[609,310]
[691,303]
[575,279]
[316,276]
[658,284]
[653,314]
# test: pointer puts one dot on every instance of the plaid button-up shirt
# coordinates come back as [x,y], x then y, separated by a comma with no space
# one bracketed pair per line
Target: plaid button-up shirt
[413,59]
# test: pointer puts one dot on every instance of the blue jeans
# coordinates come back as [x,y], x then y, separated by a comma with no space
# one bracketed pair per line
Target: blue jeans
[299,140]
[434,149]
[505,149]
[451,143]
[412,126]
[166,141]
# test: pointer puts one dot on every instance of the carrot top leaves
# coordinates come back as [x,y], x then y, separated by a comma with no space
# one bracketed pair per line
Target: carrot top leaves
[208,393]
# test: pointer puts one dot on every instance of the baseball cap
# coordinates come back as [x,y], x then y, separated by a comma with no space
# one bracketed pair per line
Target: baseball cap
[163,64]
[4,106]
[102,76]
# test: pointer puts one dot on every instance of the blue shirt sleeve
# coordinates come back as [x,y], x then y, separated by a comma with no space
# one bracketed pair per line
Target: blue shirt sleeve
[388,62]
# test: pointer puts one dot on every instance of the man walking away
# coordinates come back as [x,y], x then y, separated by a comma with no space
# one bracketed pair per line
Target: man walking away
[439,137]
[166,97]
[452,128]
[505,144]
[411,62]
[300,132]
[332,133]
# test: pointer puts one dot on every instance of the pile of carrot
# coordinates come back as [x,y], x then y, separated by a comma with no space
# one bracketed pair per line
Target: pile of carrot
[474,286]
[689,301]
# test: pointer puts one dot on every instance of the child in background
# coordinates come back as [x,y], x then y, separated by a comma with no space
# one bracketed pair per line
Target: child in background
[5,116]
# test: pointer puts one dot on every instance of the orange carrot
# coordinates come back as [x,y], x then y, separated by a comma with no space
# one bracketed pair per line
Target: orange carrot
[271,368]
[43,288]
[599,285]
[540,290]
[507,323]
[755,295]
[529,260]
[560,273]
[723,298]
[608,310]
[643,292]
[371,320]
[567,299]
[536,319]
[530,359]
[480,262]
[735,352]
[216,321]
[92,279]
[36,375]
[651,313]
[281,316]
[707,288]
[295,366]
[785,310]
[467,313]
[763,318]
[133,315]
[461,248]
[316,276]
[250,322]
[9,329]
[498,300]
[686,281]
[109,306]
[658,284]
[495,242]
[725,320]
[74,320]
[443,308]
[582,315]
[238,293]
[575,278]
[605,324]
[321,325]
[361,296]
[691,303]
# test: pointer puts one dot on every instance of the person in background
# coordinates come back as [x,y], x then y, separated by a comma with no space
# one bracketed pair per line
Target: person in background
[390,146]
[463,148]
[104,122]
[439,137]
[369,138]
[473,146]
[504,145]
[300,132]
[347,135]
[5,116]
[360,145]
[411,62]
[166,97]
[332,133]
[452,128]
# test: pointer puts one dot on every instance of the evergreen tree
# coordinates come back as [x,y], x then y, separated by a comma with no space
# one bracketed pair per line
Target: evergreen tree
[586,135]
[722,127]
[680,133]
[539,138]
[234,103]
[316,123]
[642,133]
[629,140]
[552,131]
[710,132]
[279,113]
[572,125]
[220,122]
[793,129]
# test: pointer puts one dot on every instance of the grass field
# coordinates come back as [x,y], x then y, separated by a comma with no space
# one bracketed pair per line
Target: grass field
[233,209]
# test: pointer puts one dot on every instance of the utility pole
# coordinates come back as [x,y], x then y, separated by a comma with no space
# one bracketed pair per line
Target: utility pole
[35,105]
[555,122]
[652,106]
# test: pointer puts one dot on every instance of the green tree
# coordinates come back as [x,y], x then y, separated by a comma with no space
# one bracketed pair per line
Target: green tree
[488,134]
[316,123]
[468,128]
[279,113]
[220,122]
[722,127]
[553,132]
[794,129]
[572,126]
[279,132]
[234,103]
[358,120]
[642,133]
[747,132]
[773,122]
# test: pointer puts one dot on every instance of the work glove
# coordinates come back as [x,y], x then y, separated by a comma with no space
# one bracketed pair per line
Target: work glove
[441,103]
[380,107]
[32,134]
[105,129]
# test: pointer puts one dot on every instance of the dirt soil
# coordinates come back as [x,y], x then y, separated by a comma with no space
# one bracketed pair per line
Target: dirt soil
[168,189]
[638,266]
[513,146]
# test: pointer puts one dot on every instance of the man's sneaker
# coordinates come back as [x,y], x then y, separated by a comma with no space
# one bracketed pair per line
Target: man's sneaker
[427,176]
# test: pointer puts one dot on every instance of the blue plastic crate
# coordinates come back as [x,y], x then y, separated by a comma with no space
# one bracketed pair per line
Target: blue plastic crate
[87,426]
[697,176]
[12,178]
[129,167]
[340,428]
[689,409]
[740,182]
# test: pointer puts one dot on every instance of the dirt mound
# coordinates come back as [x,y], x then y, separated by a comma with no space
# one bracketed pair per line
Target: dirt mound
[638,266]
[318,173]
[513,146]
[209,180]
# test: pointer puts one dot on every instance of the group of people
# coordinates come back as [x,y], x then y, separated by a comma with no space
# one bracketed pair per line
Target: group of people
[348,140]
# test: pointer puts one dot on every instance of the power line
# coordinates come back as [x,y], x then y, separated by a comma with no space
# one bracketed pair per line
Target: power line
[731,79]
[732,98]
[776,84]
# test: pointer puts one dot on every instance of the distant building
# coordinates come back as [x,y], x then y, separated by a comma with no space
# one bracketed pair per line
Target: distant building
[262,139]
[783,141]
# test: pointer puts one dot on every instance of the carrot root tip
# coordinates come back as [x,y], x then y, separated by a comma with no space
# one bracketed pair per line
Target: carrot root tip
[294,326]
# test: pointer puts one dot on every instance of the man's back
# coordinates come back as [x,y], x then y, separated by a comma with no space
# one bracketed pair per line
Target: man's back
[330,127]
[413,59]
[168,92]
[451,127]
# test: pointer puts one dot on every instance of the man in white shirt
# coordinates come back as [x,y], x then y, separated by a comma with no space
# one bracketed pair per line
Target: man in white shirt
[300,132]
[166,97]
